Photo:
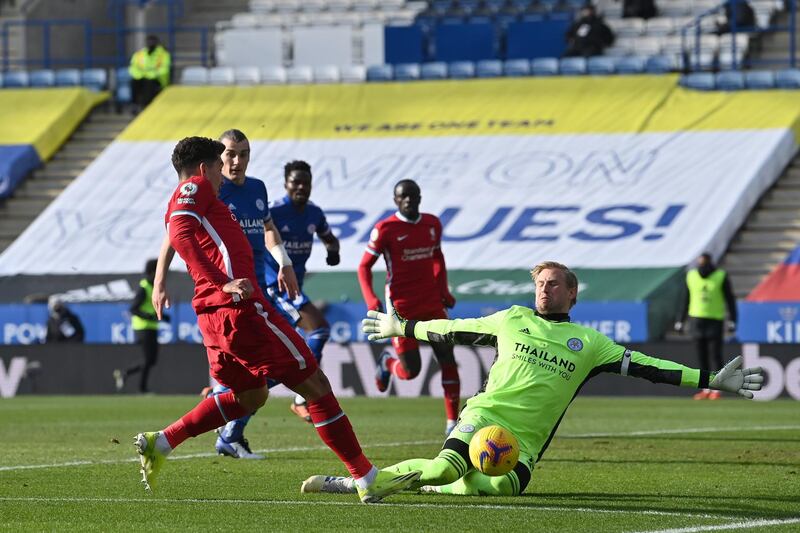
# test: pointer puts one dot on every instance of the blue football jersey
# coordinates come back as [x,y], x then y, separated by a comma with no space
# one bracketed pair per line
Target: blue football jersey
[297,229]
[250,204]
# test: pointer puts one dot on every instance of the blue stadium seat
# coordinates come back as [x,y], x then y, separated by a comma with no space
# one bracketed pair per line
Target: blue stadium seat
[434,71]
[544,66]
[464,42]
[730,81]
[702,81]
[122,86]
[380,73]
[533,17]
[95,79]
[461,69]
[489,68]
[15,78]
[759,79]
[561,16]
[68,77]
[600,65]
[517,67]
[572,66]
[479,19]
[784,79]
[404,44]
[42,78]
[407,71]
[1,79]
[631,65]
[659,64]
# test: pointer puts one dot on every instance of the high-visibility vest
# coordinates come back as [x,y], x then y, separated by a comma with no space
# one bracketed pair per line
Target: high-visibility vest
[706,299]
[155,66]
[139,323]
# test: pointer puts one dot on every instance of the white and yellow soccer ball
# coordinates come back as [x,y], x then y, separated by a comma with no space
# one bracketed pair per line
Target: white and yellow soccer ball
[494,451]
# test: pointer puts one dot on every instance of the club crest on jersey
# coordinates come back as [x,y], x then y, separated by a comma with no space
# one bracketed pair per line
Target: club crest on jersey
[188,189]
[576,345]
[311,229]
[373,235]
[467,428]
[260,204]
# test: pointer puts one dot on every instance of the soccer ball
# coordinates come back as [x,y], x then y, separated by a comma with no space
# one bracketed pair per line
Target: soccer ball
[494,451]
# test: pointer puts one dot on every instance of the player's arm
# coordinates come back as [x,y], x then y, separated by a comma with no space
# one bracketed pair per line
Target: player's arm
[365,280]
[287,280]
[330,242]
[160,295]
[481,331]
[182,230]
[731,378]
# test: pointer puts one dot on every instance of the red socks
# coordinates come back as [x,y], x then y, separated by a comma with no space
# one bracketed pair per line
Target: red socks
[335,430]
[452,390]
[213,412]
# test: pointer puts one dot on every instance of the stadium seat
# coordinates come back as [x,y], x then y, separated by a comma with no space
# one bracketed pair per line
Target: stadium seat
[221,76]
[730,81]
[299,75]
[434,71]
[631,65]
[16,78]
[274,75]
[701,81]
[247,76]
[42,78]
[660,26]
[490,68]
[544,66]
[759,79]
[327,74]
[95,79]
[407,72]
[380,73]
[122,86]
[354,74]
[461,69]
[660,64]
[600,65]
[517,67]
[1,79]
[194,76]
[784,79]
[572,66]
[68,77]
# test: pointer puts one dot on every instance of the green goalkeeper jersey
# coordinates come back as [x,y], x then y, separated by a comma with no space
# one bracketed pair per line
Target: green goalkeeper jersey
[540,366]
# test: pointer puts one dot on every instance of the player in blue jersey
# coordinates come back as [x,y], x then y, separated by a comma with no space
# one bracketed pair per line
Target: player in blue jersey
[298,219]
[246,197]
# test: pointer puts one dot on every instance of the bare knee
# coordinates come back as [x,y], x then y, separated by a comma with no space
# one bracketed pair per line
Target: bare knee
[253,399]
[316,386]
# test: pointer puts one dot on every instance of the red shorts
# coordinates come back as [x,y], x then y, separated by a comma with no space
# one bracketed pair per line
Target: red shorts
[406,344]
[251,342]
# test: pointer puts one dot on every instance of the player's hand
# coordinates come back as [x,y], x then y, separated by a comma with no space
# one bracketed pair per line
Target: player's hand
[239,289]
[730,325]
[732,378]
[448,300]
[678,326]
[160,299]
[333,258]
[379,325]
[287,282]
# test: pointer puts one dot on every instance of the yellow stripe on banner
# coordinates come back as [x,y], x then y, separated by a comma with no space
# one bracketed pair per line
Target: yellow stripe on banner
[44,118]
[616,104]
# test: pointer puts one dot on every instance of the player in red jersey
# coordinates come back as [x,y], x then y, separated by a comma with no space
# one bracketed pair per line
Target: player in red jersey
[416,286]
[246,340]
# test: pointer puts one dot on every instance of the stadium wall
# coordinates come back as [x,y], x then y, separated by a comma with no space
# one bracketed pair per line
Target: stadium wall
[182,369]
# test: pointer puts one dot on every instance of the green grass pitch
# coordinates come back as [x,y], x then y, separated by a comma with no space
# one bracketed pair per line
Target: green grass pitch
[616,464]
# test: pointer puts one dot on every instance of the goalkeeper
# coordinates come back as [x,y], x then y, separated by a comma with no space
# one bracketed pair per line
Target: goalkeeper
[542,361]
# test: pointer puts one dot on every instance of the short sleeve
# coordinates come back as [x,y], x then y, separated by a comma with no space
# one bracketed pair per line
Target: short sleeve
[323,228]
[377,240]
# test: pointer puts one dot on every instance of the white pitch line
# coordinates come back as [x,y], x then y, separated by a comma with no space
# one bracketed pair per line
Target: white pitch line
[654,432]
[467,505]
[734,525]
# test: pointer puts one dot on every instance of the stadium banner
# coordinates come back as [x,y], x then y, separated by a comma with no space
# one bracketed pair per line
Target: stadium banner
[769,322]
[49,117]
[109,323]
[618,172]
[183,369]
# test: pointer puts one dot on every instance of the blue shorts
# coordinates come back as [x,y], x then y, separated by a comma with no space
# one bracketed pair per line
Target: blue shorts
[290,309]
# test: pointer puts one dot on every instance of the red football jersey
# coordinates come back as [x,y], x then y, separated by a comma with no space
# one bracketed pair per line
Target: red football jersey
[412,250]
[210,240]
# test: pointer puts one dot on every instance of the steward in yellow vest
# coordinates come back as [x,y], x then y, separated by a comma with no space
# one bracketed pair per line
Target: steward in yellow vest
[150,71]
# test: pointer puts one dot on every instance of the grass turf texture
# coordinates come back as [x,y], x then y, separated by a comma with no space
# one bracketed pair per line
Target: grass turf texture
[615,465]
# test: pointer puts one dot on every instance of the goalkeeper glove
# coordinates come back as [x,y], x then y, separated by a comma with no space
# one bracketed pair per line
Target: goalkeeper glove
[732,378]
[379,325]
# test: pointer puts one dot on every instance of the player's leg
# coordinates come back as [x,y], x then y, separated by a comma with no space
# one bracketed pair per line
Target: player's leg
[317,332]
[231,440]
[715,339]
[150,351]
[405,363]
[475,483]
[701,347]
[451,384]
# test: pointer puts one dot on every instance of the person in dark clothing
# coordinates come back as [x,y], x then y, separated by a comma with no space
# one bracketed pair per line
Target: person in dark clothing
[589,35]
[643,9]
[707,293]
[744,15]
[62,325]
[145,329]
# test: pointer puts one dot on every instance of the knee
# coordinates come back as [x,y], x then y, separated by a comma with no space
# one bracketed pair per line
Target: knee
[253,399]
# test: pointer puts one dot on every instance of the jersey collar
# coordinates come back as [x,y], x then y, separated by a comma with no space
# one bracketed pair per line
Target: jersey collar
[404,219]
[554,317]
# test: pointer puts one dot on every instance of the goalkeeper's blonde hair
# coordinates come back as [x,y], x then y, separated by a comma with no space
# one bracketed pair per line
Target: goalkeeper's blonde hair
[569,275]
